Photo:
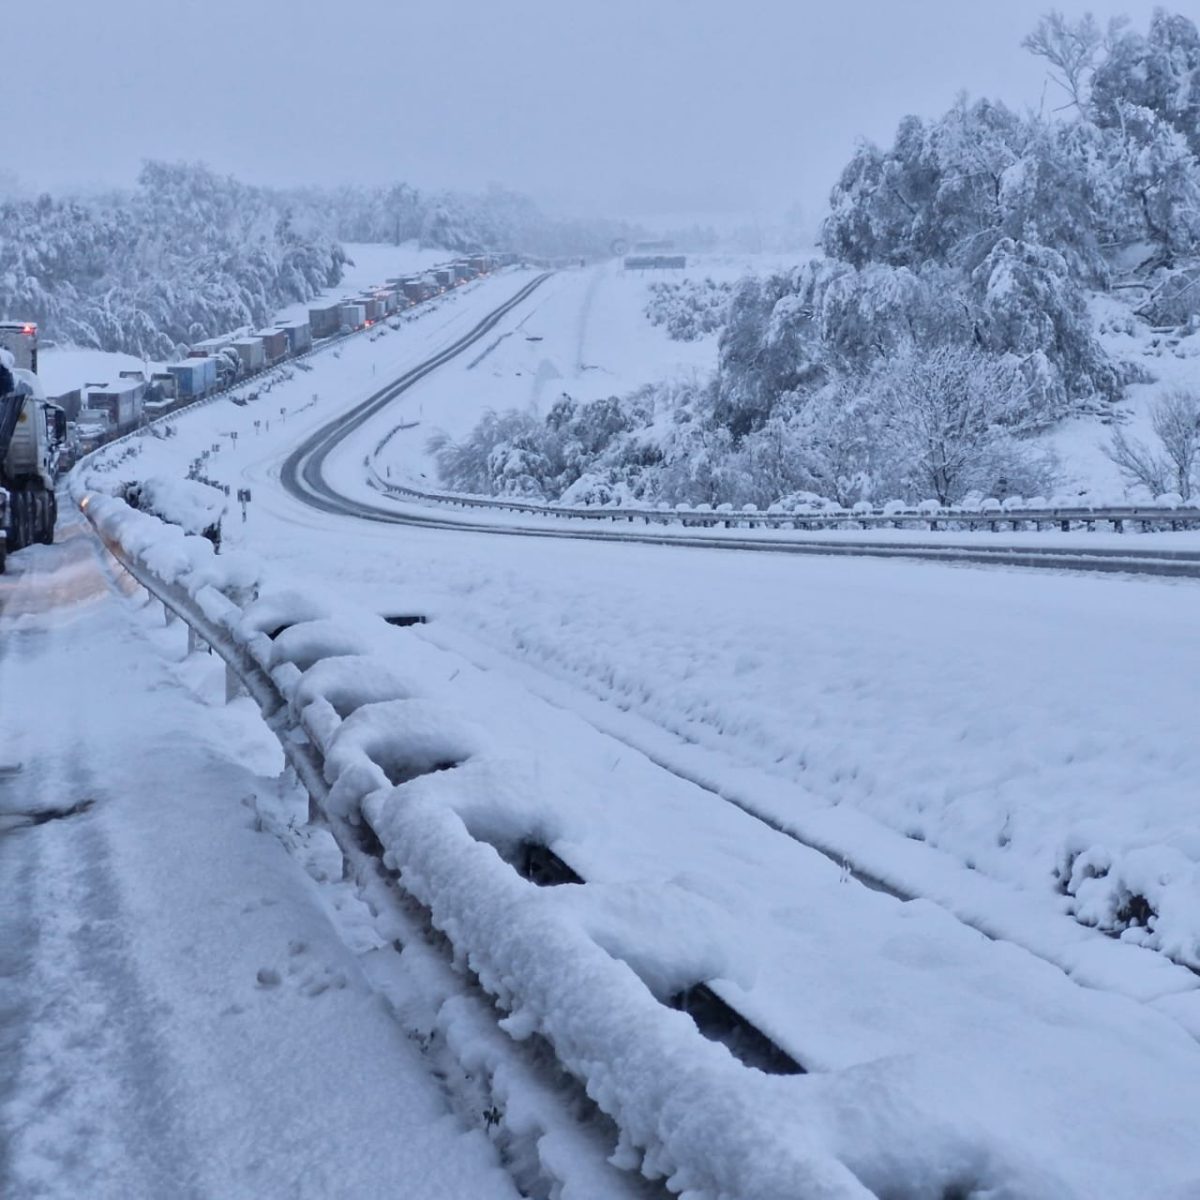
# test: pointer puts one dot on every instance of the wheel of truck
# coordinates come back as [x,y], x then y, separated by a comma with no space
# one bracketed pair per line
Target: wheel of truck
[30,534]
[46,505]
[30,519]
[18,522]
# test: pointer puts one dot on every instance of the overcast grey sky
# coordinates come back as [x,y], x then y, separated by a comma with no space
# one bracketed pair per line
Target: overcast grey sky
[626,107]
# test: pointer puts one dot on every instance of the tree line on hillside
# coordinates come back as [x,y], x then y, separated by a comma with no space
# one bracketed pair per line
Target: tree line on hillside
[188,254]
[185,255]
[496,218]
[949,319]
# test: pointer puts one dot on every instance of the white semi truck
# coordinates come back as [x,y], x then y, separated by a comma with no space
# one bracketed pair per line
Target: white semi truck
[32,436]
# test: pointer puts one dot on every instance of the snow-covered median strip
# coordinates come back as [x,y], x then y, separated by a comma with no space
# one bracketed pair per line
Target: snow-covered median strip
[172,554]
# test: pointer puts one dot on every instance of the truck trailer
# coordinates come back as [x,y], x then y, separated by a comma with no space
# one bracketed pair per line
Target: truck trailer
[194,377]
[414,289]
[120,404]
[353,315]
[33,434]
[325,319]
[251,352]
[275,345]
[299,336]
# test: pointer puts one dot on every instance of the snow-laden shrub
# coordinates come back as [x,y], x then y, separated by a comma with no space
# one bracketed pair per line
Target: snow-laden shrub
[194,507]
[689,310]
[593,490]
[1171,463]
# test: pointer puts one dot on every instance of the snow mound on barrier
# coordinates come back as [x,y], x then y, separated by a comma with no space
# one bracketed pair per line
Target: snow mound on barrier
[193,506]
[309,642]
[689,1112]
[1150,895]
[347,682]
[170,553]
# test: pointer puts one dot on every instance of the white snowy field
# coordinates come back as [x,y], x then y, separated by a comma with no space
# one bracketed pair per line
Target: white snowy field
[183,1014]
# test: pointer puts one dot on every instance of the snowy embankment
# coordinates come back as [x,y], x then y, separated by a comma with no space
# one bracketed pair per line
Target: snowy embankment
[940,1060]
[591,339]
[584,335]
[588,337]
[1170,359]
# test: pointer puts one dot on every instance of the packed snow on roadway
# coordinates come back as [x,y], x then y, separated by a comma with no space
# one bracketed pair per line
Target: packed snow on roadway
[996,741]
[185,1006]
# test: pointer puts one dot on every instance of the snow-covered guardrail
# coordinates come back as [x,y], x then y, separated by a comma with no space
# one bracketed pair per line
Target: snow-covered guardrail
[382,764]
[991,515]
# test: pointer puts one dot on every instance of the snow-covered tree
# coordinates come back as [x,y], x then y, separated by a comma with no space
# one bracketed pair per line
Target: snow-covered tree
[1071,48]
[1158,71]
[945,417]
[1171,464]
[187,255]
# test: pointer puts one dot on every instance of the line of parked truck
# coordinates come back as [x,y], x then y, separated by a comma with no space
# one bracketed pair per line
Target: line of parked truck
[100,412]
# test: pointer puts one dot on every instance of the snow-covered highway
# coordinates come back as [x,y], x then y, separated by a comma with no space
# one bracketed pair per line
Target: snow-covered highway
[625,695]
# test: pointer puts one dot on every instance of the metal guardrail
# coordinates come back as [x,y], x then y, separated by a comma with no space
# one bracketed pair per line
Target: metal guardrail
[1119,518]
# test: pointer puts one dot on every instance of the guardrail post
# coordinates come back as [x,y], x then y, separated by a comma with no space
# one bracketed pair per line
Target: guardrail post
[195,642]
[168,615]
[233,685]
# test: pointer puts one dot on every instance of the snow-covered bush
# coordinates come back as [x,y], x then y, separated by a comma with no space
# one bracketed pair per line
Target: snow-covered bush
[515,453]
[944,422]
[489,454]
[689,310]
[1175,299]
[1170,465]
[938,422]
